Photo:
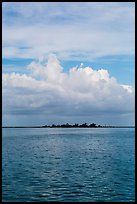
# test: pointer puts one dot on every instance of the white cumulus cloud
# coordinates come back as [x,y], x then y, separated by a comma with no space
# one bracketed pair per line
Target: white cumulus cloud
[48,90]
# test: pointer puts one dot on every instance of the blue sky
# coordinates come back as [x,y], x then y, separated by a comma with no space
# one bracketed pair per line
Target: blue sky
[45,45]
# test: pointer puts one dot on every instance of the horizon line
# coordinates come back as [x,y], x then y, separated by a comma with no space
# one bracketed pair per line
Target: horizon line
[69,126]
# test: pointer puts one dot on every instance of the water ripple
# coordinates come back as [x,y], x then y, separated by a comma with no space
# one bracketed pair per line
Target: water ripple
[68,165]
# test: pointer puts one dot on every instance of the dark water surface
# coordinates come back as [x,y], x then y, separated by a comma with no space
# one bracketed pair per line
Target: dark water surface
[68,164]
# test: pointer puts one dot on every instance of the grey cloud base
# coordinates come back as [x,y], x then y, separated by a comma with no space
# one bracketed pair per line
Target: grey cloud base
[48,91]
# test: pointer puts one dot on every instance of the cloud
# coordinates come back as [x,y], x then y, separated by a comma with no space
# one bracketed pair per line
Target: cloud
[71,30]
[48,91]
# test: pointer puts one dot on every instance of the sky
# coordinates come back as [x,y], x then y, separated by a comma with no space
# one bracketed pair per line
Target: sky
[68,62]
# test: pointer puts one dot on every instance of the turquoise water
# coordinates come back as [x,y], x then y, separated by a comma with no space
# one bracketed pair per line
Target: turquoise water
[68,164]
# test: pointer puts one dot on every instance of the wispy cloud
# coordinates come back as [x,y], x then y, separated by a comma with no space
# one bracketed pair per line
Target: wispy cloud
[71,30]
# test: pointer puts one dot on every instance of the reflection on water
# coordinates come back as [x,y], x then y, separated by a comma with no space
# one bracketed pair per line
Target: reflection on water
[68,165]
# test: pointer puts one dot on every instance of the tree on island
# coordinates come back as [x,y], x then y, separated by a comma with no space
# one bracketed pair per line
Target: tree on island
[83,125]
[67,125]
[76,125]
[92,125]
[53,125]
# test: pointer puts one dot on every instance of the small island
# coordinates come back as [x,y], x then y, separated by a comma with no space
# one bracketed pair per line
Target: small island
[67,125]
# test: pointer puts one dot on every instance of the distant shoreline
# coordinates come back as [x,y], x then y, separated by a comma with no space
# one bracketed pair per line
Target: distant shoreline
[68,127]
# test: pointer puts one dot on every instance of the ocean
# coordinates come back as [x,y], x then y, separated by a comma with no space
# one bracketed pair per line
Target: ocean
[68,164]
